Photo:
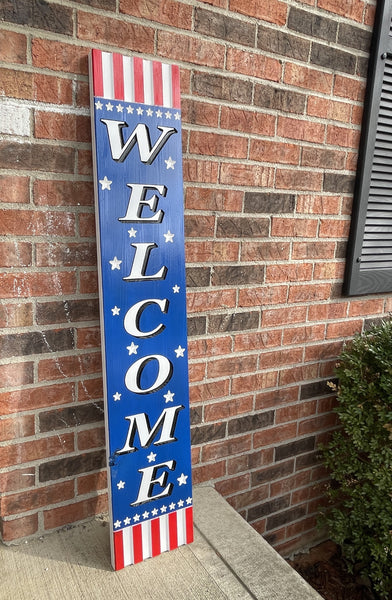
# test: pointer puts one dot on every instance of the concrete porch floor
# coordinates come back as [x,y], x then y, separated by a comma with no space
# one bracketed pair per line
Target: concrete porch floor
[227,560]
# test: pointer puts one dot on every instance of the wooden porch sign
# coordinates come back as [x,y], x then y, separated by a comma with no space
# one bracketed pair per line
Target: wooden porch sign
[136,123]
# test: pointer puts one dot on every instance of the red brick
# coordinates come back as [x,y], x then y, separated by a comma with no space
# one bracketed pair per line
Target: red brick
[332,270]
[257,340]
[79,511]
[253,64]
[343,329]
[247,175]
[202,301]
[57,126]
[318,424]
[269,151]
[17,454]
[14,189]
[271,399]
[308,78]
[266,295]
[89,337]
[310,523]
[211,199]
[286,485]
[293,227]
[346,87]
[33,398]
[329,109]
[16,374]
[199,226]
[282,316]
[37,498]
[197,372]
[274,435]
[19,528]
[263,251]
[59,56]
[256,381]
[17,427]
[319,352]
[15,254]
[208,472]
[235,484]
[63,193]
[118,32]
[201,348]
[199,113]
[201,171]
[299,129]
[237,119]
[18,479]
[242,463]
[323,158]
[206,251]
[13,47]
[272,11]
[90,389]
[54,90]
[289,272]
[167,12]
[31,222]
[20,285]
[298,374]
[324,312]
[88,282]
[16,315]
[278,358]
[191,49]
[342,136]
[322,205]
[309,293]
[230,447]
[231,366]
[295,412]
[228,408]
[209,391]
[352,9]
[301,335]
[211,144]
[69,366]
[92,482]
[316,250]
[334,228]
[85,162]
[303,181]
[91,438]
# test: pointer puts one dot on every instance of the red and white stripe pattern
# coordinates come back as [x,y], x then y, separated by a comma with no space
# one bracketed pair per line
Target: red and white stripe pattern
[136,543]
[135,79]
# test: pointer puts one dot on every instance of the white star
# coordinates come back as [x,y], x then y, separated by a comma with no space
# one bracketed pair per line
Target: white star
[168,236]
[116,396]
[98,105]
[168,114]
[119,107]
[115,263]
[139,111]
[176,289]
[127,521]
[180,503]
[182,479]
[179,352]
[117,524]
[105,183]
[149,112]
[132,349]
[177,116]
[169,396]
[120,485]
[151,457]
[189,500]
[115,311]
[154,512]
[163,508]
[109,106]
[132,232]
[159,113]
[172,506]
[170,163]
[146,514]
[136,518]
[130,110]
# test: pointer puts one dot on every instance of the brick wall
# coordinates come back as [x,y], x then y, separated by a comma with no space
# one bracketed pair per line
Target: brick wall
[272,97]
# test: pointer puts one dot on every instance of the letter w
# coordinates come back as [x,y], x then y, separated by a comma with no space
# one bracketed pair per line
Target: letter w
[140,136]
[140,423]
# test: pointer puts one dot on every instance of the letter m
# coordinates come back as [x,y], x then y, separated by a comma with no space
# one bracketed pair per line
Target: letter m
[140,136]
[165,424]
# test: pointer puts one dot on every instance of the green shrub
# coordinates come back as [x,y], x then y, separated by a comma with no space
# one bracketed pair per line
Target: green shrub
[359,458]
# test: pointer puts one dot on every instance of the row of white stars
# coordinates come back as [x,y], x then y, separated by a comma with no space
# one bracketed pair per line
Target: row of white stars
[140,111]
[154,512]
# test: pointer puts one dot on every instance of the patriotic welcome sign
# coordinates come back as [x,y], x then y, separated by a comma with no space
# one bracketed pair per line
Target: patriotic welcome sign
[139,205]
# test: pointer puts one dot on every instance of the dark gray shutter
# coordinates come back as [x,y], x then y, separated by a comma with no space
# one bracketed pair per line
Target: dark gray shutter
[369,262]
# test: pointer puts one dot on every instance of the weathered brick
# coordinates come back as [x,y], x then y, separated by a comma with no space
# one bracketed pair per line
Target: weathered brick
[353,10]
[16,374]
[38,14]
[90,389]
[281,42]
[57,517]
[323,158]
[299,129]
[36,342]
[250,422]
[21,285]
[14,454]
[168,12]
[279,99]
[72,465]
[202,301]
[247,121]
[253,382]
[264,202]
[13,47]
[29,222]
[266,508]
[238,275]
[233,322]
[19,528]
[308,78]
[198,276]
[293,448]
[211,144]
[67,311]
[247,175]
[196,325]
[67,255]
[231,365]
[58,56]
[89,337]
[37,157]
[15,254]
[268,151]
[92,482]
[221,26]
[14,189]
[17,427]
[194,50]
[253,64]
[69,366]
[236,227]
[207,433]
[271,473]
[274,12]
[352,36]
[334,182]
[200,171]
[311,24]
[57,126]
[199,113]
[63,193]
[118,32]
[286,516]
[222,88]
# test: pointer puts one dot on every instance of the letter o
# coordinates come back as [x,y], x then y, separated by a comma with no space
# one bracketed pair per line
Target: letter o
[134,373]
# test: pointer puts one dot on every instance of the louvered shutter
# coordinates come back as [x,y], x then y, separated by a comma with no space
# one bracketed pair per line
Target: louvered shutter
[369,262]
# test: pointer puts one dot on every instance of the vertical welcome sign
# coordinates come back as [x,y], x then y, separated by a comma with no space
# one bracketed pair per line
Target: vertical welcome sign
[135,107]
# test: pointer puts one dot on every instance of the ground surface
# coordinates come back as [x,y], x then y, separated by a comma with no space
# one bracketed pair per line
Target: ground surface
[325,570]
